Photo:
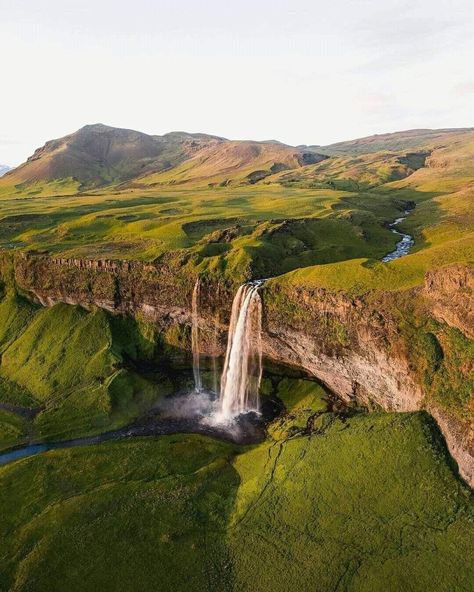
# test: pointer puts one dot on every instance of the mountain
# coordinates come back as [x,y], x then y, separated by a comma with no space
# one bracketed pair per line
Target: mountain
[99,155]
[404,140]
[4,169]
[241,162]
[375,160]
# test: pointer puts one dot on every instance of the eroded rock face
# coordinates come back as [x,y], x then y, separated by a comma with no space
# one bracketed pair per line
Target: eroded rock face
[345,342]
[355,345]
[450,291]
[459,436]
[369,378]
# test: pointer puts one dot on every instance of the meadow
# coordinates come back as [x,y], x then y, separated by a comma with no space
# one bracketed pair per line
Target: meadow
[318,233]
[366,502]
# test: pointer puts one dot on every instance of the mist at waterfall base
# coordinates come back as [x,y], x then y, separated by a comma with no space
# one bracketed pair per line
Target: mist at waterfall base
[236,406]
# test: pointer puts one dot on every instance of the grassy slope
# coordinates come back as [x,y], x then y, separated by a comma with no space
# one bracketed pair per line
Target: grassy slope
[353,173]
[13,429]
[232,162]
[71,364]
[137,224]
[366,504]
[98,155]
[141,515]
[397,141]
[346,509]
[442,225]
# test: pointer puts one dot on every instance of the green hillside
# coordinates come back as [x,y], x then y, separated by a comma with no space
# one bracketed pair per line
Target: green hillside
[333,498]
[73,371]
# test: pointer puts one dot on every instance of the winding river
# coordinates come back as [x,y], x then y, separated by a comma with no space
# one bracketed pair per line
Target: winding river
[247,429]
[404,244]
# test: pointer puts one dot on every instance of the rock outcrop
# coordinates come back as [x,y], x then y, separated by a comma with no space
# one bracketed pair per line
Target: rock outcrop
[451,295]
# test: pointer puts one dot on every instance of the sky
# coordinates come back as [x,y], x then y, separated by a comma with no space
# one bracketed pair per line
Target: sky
[300,71]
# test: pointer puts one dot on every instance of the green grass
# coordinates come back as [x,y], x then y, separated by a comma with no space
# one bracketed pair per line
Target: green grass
[358,276]
[140,515]
[326,226]
[355,502]
[76,367]
[346,508]
[336,212]
[369,505]
[13,429]
[450,379]
[300,394]
[63,347]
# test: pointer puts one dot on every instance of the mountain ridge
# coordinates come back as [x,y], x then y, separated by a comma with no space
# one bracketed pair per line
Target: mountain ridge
[98,156]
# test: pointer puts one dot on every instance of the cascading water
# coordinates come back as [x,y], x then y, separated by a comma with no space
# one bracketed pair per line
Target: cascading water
[195,337]
[215,370]
[242,370]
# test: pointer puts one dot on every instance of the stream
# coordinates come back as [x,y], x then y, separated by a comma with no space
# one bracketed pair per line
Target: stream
[404,244]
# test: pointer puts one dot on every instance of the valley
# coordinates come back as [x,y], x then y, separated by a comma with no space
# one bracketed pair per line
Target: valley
[351,269]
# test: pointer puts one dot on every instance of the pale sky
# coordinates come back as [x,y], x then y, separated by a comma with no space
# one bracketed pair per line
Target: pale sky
[300,71]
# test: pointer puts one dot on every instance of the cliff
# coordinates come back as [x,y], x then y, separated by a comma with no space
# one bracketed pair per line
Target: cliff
[401,351]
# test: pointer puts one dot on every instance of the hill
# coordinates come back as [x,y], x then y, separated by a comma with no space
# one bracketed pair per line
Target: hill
[247,209]
[235,162]
[334,497]
[404,140]
[99,155]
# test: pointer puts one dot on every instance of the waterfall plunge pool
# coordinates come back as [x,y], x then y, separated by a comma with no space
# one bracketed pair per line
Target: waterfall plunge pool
[189,412]
[232,411]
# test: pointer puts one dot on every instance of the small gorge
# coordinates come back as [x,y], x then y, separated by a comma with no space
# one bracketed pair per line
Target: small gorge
[360,346]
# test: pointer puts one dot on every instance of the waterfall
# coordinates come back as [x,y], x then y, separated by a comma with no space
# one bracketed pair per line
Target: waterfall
[195,336]
[242,370]
[215,371]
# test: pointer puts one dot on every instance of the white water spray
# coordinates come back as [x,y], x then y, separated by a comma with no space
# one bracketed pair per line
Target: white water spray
[242,371]
[195,337]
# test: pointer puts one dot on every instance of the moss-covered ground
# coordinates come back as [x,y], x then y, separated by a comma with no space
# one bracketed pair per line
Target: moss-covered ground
[333,499]
[329,502]
[367,503]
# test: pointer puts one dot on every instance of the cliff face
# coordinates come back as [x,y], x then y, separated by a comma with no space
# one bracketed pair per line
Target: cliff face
[378,348]
[450,294]
[373,348]
[352,345]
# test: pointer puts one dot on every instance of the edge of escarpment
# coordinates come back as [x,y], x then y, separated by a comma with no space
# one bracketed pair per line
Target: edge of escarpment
[389,350]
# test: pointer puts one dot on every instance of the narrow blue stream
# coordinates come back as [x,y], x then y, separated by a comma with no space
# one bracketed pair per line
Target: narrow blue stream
[404,245]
